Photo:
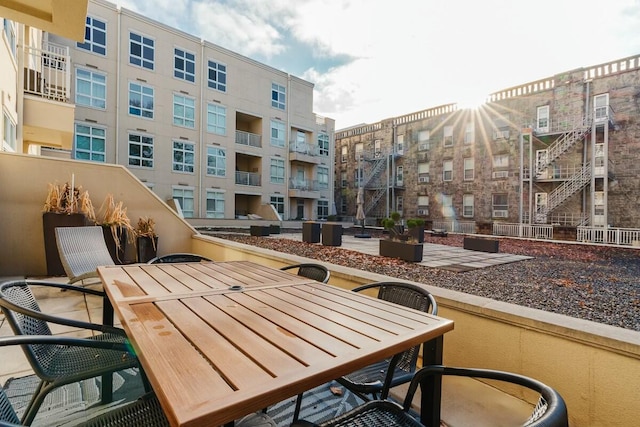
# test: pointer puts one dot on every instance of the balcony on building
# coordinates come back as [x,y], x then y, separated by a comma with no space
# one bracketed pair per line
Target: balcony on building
[302,151]
[248,170]
[304,188]
[248,130]
[48,110]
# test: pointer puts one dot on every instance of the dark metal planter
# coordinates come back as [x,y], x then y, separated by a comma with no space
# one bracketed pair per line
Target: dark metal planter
[311,232]
[411,252]
[146,248]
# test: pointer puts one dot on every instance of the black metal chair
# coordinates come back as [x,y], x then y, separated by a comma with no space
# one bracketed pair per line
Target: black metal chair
[58,365]
[550,411]
[178,257]
[312,271]
[377,378]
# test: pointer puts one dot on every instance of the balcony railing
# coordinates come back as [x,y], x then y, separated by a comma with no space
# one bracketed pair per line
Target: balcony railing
[304,148]
[248,178]
[247,138]
[305,185]
[47,72]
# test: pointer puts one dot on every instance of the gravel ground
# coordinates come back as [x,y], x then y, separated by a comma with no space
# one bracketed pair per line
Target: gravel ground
[597,283]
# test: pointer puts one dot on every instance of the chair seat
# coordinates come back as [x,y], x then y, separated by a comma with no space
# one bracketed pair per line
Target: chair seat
[370,379]
[376,413]
[145,411]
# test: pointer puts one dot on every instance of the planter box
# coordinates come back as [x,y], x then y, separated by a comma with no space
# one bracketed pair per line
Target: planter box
[411,252]
[417,233]
[146,248]
[479,244]
[274,229]
[117,252]
[259,230]
[331,234]
[50,221]
[311,232]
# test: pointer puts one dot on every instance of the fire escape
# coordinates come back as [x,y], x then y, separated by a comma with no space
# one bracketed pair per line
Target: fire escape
[377,177]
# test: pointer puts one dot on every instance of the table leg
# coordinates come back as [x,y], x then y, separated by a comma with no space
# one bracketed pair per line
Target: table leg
[107,379]
[431,386]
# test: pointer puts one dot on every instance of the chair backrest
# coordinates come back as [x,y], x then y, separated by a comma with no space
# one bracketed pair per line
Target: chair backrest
[17,302]
[312,271]
[82,250]
[550,411]
[178,257]
[8,416]
[408,295]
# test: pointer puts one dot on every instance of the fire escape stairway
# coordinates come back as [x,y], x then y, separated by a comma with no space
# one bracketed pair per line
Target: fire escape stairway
[568,188]
[378,167]
[562,144]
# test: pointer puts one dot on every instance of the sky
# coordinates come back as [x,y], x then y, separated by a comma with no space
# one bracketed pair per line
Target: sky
[374,59]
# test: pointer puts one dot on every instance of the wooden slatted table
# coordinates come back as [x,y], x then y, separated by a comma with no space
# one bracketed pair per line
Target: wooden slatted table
[221,340]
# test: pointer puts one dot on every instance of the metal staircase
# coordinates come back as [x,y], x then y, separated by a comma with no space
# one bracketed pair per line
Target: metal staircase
[562,144]
[567,189]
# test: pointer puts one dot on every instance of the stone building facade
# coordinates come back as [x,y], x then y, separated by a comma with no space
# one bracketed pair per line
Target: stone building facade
[562,151]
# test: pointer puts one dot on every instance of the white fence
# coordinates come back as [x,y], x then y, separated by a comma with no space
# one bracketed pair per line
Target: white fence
[532,231]
[614,236]
[466,227]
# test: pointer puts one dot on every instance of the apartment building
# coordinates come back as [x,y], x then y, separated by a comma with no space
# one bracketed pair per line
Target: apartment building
[218,134]
[558,151]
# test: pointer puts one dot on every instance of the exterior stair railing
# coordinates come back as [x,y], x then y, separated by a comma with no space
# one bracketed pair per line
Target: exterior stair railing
[562,144]
[564,191]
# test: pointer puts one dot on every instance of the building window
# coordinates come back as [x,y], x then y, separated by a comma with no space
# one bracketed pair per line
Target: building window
[499,205]
[216,161]
[89,143]
[447,170]
[423,173]
[343,154]
[343,205]
[358,152]
[10,34]
[448,136]
[277,133]
[278,96]
[343,179]
[183,156]
[95,36]
[140,100]
[91,89]
[377,148]
[543,119]
[140,150]
[359,175]
[467,205]
[469,133]
[400,204]
[277,171]
[278,203]
[323,178]
[323,144]
[184,111]
[447,206]
[400,144]
[215,204]
[323,209]
[217,76]
[500,161]
[141,51]
[9,134]
[217,119]
[184,65]
[423,201]
[184,197]
[469,169]
[399,175]
[423,140]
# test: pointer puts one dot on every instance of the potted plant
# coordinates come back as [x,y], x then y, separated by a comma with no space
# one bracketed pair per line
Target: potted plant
[116,227]
[64,207]
[416,229]
[399,244]
[146,239]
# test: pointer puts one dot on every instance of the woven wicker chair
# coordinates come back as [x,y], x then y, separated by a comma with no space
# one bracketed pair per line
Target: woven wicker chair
[82,250]
[144,411]
[312,271]
[550,411]
[58,365]
[178,257]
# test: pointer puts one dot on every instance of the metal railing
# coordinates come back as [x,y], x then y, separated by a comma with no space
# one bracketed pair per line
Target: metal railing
[453,226]
[248,178]
[539,231]
[305,184]
[611,235]
[304,148]
[247,138]
[47,72]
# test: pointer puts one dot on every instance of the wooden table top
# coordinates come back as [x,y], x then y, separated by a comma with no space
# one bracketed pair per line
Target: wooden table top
[214,354]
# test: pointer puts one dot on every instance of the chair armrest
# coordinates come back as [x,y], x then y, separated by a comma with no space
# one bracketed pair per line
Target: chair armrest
[69,341]
[66,287]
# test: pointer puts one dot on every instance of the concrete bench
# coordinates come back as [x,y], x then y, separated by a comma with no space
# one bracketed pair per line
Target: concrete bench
[480,244]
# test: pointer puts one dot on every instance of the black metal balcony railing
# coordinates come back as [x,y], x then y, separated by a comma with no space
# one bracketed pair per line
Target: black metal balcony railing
[247,138]
[248,178]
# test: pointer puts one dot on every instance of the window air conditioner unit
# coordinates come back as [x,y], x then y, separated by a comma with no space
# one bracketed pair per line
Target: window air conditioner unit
[423,146]
[423,179]
[423,211]
[500,214]
[501,134]
[500,174]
